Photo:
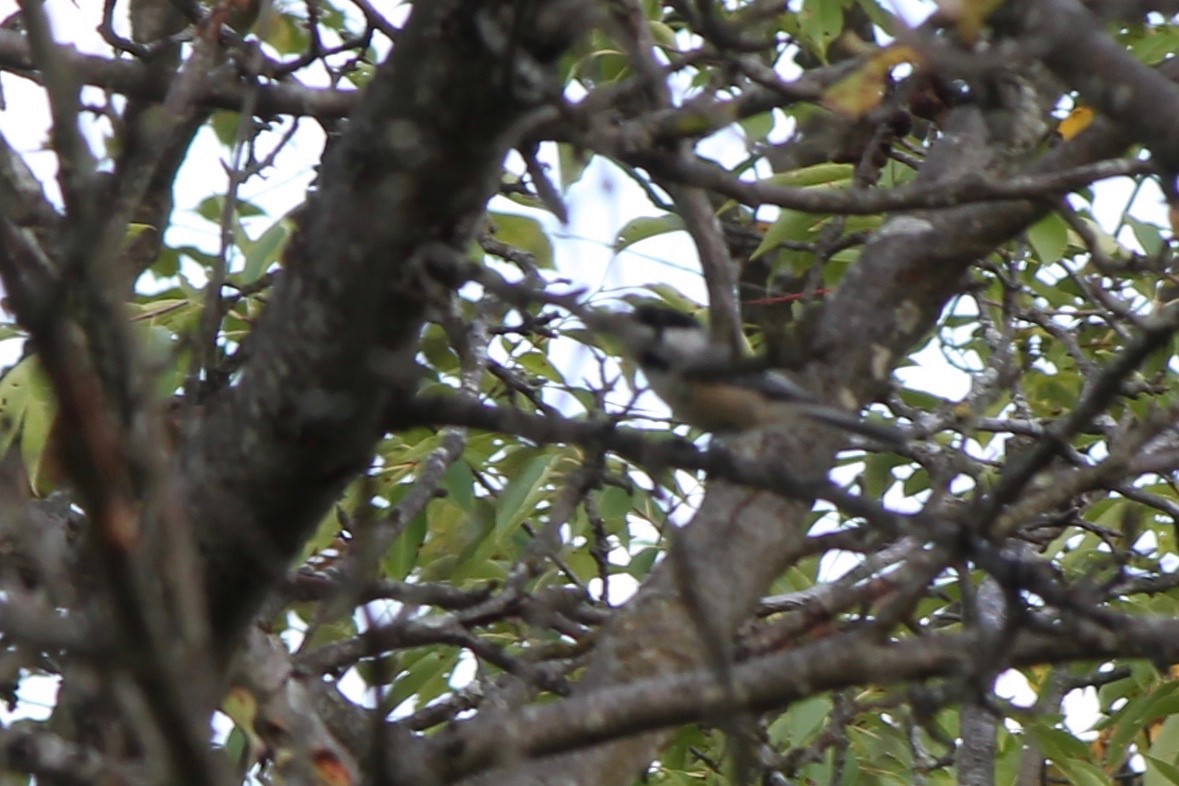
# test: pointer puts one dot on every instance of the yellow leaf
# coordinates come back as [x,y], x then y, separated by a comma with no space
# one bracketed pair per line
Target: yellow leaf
[1076,122]
[969,16]
[860,92]
[330,771]
[135,230]
[242,708]
[895,55]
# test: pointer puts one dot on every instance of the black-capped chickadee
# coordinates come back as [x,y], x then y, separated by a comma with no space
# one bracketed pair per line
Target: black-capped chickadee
[707,387]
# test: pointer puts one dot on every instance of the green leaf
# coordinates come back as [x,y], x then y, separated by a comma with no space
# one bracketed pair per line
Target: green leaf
[878,476]
[758,127]
[403,556]
[802,722]
[235,746]
[225,126]
[260,254]
[1106,243]
[1156,44]
[642,228]
[606,65]
[210,209]
[1058,744]
[662,33]
[880,17]
[851,773]
[1134,715]
[459,483]
[40,412]
[27,409]
[641,563]
[339,629]
[1160,772]
[419,671]
[916,483]
[284,32]
[1149,235]
[135,230]
[920,399]
[538,364]
[582,564]
[821,22]
[790,225]
[614,503]
[514,502]
[571,163]
[196,255]
[672,297]
[678,754]
[524,233]
[816,175]
[1165,748]
[14,398]
[1048,237]
[1082,773]
[362,73]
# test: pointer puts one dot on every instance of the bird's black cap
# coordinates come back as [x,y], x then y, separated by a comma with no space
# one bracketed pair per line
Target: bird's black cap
[662,317]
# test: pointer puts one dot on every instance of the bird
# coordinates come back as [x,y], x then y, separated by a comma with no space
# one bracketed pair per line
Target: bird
[708,387]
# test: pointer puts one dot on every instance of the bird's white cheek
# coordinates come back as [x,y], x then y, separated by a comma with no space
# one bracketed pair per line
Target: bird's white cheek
[688,344]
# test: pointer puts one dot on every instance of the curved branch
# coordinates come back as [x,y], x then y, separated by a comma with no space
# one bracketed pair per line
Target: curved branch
[132,78]
[969,187]
[766,684]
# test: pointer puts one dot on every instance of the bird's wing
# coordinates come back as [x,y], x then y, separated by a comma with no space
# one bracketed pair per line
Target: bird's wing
[747,375]
[853,423]
[780,386]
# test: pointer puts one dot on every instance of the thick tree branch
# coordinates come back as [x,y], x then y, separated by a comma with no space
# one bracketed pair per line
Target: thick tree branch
[336,344]
[771,683]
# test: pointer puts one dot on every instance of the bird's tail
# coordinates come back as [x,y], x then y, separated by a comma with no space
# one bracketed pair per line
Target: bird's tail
[854,424]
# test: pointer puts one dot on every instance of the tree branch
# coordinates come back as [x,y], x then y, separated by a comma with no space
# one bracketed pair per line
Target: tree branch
[132,78]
